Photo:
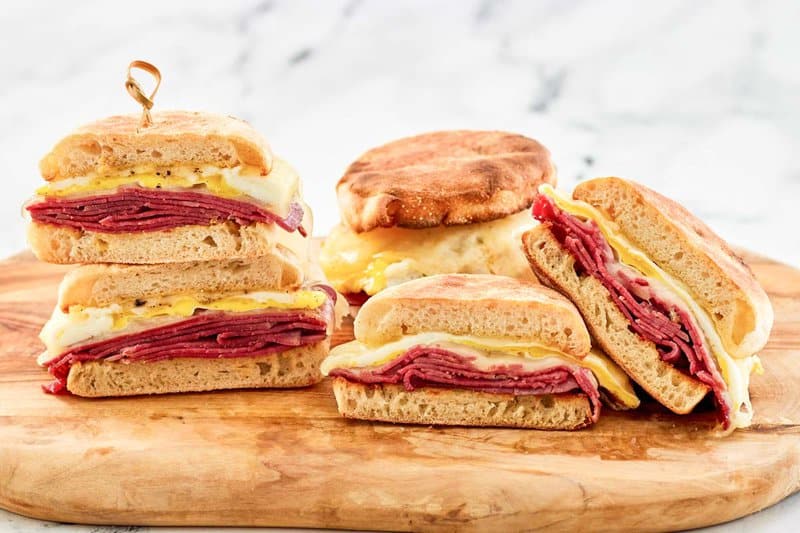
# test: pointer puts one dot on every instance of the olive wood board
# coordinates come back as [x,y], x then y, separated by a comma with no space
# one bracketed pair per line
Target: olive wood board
[286,458]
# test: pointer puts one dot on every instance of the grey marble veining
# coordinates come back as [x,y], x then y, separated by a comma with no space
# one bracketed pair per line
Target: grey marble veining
[695,99]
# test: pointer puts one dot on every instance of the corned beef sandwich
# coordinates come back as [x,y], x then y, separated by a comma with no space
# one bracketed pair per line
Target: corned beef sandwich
[477,350]
[191,186]
[663,296]
[121,330]
[442,202]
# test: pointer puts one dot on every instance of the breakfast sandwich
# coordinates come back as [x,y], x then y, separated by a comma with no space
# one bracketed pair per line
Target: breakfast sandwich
[437,203]
[478,350]
[190,186]
[663,296]
[121,330]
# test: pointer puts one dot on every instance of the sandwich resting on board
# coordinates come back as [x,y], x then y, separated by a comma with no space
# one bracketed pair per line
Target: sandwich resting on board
[121,330]
[661,293]
[476,350]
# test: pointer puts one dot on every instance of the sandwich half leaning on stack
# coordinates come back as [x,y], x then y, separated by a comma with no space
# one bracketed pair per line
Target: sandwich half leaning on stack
[437,203]
[474,350]
[121,330]
[663,296]
[190,186]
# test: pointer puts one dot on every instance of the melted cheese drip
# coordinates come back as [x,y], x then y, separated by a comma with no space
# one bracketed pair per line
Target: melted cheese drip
[487,353]
[373,260]
[80,324]
[735,372]
[275,190]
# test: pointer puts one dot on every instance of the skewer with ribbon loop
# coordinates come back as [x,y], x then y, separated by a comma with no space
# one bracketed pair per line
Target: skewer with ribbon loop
[135,90]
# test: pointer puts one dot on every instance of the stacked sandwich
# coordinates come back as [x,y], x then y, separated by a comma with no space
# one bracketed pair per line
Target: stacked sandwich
[437,203]
[194,245]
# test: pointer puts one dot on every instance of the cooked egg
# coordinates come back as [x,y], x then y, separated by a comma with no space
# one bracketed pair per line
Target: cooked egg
[276,190]
[373,260]
[80,324]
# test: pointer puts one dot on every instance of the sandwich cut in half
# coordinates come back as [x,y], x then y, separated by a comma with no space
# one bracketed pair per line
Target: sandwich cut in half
[191,186]
[475,350]
[663,296]
[437,203]
[121,330]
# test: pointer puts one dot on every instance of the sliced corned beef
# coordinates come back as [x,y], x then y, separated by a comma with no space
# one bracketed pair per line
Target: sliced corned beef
[431,366]
[135,209]
[356,298]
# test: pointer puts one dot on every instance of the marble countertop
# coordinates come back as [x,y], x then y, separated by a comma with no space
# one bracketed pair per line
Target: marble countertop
[695,99]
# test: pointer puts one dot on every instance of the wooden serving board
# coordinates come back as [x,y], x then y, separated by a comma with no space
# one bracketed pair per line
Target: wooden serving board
[285,458]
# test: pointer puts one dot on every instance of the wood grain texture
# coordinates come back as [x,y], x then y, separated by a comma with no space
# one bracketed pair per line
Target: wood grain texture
[282,458]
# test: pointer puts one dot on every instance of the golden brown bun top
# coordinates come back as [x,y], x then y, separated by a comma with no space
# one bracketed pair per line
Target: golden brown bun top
[175,138]
[481,305]
[443,178]
[686,248]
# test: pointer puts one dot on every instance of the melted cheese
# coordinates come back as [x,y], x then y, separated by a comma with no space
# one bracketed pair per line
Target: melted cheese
[487,354]
[276,190]
[373,260]
[735,372]
[80,324]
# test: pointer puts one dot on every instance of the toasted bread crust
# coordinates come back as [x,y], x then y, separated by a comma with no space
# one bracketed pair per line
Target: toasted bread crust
[460,407]
[296,367]
[690,251]
[443,178]
[175,138]
[100,285]
[64,245]
[474,304]
[638,357]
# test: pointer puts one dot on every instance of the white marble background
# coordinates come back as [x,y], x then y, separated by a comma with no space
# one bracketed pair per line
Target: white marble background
[696,99]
